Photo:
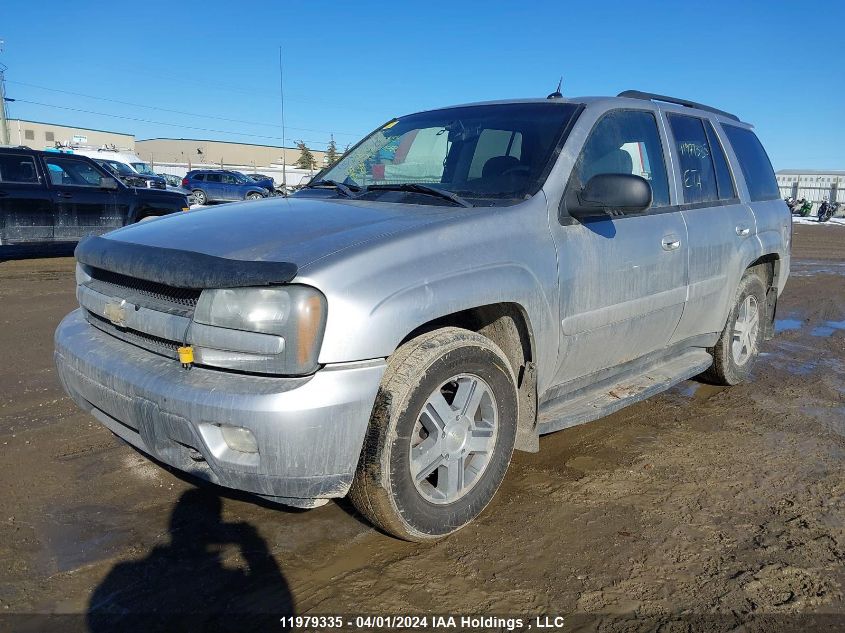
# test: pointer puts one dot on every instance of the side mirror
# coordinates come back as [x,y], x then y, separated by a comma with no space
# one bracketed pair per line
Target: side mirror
[108,183]
[611,194]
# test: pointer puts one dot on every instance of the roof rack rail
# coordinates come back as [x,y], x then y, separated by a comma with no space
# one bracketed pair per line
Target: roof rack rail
[650,96]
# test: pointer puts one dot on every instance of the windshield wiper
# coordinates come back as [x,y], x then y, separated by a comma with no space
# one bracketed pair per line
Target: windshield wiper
[344,189]
[418,187]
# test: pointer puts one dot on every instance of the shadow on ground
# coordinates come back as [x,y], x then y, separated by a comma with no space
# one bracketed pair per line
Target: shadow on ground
[212,576]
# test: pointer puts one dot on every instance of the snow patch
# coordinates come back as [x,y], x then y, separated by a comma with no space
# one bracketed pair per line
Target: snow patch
[815,222]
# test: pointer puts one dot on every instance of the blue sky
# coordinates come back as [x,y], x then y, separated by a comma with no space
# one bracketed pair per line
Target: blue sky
[350,67]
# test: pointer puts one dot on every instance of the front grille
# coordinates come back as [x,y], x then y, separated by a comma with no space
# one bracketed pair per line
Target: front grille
[149,294]
[149,342]
[158,185]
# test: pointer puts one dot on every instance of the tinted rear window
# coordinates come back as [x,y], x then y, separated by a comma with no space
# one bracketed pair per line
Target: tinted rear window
[755,163]
[17,168]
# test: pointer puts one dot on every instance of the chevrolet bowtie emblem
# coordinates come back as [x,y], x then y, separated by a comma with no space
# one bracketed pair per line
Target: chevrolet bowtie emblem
[116,313]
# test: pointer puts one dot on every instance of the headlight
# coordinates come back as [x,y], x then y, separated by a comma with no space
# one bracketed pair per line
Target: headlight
[265,330]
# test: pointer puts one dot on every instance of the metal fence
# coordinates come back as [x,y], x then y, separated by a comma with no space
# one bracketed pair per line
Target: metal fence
[813,192]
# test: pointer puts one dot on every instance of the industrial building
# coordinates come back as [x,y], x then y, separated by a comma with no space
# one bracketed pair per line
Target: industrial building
[39,135]
[222,153]
[157,151]
[813,184]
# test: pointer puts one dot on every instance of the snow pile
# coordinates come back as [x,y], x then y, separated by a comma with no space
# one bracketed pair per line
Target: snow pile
[814,221]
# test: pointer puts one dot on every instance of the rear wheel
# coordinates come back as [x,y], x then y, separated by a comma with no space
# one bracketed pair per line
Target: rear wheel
[440,438]
[199,196]
[736,350]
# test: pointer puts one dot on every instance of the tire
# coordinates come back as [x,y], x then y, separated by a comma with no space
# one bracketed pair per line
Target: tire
[254,196]
[200,197]
[479,447]
[735,352]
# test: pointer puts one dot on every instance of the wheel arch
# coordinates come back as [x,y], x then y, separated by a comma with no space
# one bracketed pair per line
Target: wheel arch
[508,325]
[768,267]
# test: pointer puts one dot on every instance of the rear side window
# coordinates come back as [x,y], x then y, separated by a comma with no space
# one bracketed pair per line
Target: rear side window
[15,168]
[723,173]
[212,177]
[698,174]
[198,177]
[625,142]
[754,162]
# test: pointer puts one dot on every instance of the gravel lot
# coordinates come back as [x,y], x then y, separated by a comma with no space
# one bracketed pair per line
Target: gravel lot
[726,505]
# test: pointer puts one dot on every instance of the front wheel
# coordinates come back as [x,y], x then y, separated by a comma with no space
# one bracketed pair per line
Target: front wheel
[254,196]
[440,438]
[736,350]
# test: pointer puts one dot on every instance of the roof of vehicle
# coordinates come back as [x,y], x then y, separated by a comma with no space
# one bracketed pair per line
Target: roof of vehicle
[23,149]
[628,97]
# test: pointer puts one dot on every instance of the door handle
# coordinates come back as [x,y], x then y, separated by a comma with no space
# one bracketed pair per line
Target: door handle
[742,231]
[671,243]
[62,194]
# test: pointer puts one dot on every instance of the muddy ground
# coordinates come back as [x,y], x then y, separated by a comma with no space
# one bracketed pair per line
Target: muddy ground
[703,501]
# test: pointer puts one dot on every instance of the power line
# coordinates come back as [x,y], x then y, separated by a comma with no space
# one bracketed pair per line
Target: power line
[176,125]
[183,112]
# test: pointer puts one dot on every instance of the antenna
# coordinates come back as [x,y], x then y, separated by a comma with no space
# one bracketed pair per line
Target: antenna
[284,141]
[557,94]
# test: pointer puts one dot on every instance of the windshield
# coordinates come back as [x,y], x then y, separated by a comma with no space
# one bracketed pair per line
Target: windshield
[143,168]
[501,151]
[117,167]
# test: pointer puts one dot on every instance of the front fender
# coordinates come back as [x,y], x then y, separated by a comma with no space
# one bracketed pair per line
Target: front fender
[377,330]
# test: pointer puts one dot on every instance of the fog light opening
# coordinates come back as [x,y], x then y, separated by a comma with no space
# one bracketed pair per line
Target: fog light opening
[239,439]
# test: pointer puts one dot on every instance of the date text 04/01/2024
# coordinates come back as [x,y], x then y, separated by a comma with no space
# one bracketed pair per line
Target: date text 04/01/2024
[381,622]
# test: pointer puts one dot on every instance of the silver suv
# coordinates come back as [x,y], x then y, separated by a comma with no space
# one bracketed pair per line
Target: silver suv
[461,282]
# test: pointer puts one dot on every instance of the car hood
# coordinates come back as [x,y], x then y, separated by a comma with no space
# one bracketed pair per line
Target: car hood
[292,230]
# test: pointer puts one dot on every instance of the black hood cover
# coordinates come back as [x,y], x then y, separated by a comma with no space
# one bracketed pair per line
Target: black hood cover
[182,269]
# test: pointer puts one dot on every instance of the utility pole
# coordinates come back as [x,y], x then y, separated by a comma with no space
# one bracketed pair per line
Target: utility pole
[4,126]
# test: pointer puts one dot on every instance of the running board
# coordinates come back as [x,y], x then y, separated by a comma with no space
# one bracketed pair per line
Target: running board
[606,398]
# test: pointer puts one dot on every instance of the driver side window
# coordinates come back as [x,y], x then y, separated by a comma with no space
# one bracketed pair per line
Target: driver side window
[71,172]
[625,142]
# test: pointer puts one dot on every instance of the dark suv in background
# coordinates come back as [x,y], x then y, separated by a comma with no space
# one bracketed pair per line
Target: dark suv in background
[218,185]
[46,197]
[129,176]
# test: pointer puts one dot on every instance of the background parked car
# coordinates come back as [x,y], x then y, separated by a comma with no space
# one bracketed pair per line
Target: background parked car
[125,157]
[265,181]
[127,175]
[171,180]
[218,185]
[49,197]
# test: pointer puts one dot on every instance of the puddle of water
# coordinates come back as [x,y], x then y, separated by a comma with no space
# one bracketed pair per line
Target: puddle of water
[690,391]
[686,388]
[783,325]
[828,328]
[809,268]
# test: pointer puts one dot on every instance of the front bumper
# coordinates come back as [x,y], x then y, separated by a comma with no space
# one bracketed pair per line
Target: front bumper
[309,430]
